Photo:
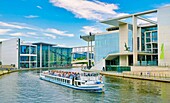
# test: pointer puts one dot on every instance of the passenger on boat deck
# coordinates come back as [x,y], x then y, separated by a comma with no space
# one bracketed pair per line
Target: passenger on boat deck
[70,75]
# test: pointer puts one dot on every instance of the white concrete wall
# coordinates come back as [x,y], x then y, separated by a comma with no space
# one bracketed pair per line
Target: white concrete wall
[99,65]
[123,37]
[9,52]
[123,60]
[164,35]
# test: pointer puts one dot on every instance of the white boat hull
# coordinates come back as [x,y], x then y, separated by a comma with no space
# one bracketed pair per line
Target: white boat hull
[90,88]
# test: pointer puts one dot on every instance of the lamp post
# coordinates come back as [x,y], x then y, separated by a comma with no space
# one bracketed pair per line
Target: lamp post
[90,53]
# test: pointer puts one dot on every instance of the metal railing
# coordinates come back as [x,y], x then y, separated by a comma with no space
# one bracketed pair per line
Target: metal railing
[117,68]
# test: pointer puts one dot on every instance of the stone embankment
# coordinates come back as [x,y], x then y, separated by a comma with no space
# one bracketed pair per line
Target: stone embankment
[2,72]
[161,74]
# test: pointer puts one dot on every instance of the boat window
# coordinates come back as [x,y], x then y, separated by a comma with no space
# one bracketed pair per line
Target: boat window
[79,83]
[88,74]
[83,83]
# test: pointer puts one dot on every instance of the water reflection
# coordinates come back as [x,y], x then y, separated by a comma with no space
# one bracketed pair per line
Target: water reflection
[24,87]
[132,90]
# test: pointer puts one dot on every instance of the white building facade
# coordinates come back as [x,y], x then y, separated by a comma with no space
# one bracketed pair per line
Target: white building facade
[129,43]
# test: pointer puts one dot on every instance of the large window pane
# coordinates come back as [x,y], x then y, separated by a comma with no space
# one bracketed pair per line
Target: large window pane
[105,44]
[32,50]
[24,49]
[24,58]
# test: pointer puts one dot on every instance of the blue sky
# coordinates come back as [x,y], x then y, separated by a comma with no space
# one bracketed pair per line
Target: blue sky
[63,21]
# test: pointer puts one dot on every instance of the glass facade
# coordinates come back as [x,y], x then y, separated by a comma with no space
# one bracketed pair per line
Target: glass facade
[28,56]
[32,50]
[130,40]
[24,49]
[53,56]
[24,65]
[82,56]
[63,56]
[38,55]
[45,55]
[24,58]
[106,44]
[149,38]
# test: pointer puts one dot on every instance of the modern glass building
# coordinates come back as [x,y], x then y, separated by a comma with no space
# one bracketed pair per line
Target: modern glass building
[131,43]
[34,55]
[49,55]
[28,56]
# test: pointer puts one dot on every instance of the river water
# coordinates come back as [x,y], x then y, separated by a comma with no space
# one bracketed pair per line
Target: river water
[26,87]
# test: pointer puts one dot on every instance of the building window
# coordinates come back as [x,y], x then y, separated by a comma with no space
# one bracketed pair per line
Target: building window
[33,58]
[24,49]
[24,58]
[32,50]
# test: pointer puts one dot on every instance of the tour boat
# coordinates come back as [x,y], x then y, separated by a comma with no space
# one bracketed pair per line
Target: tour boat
[86,81]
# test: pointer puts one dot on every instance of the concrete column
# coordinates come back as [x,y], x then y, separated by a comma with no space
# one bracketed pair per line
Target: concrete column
[151,57]
[135,55]
[140,43]
[19,47]
[40,55]
[36,56]
[123,37]
[88,53]
[48,56]
[124,60]
[91,51]
[29,56]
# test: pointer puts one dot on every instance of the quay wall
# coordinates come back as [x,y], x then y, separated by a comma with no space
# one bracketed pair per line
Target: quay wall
[149,68]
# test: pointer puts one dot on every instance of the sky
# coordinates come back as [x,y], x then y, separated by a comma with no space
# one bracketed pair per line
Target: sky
[63,21]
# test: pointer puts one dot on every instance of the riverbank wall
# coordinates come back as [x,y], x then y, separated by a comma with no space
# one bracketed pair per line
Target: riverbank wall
[151,73]
[7,71]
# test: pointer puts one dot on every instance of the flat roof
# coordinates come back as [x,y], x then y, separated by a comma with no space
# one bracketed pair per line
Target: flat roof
[44,43]
[117,20]
[88,38]
[62,47]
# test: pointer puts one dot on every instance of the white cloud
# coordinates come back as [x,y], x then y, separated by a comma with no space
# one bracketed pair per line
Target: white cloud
[93,9]
[31,16]
[4,24]
[50,35]
[32,33]
[162,5]
[18,34]
[58,32]
[92,29]
[39,7]
[3,31]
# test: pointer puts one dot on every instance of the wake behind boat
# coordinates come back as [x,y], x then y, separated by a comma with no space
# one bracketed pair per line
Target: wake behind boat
[81,81]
